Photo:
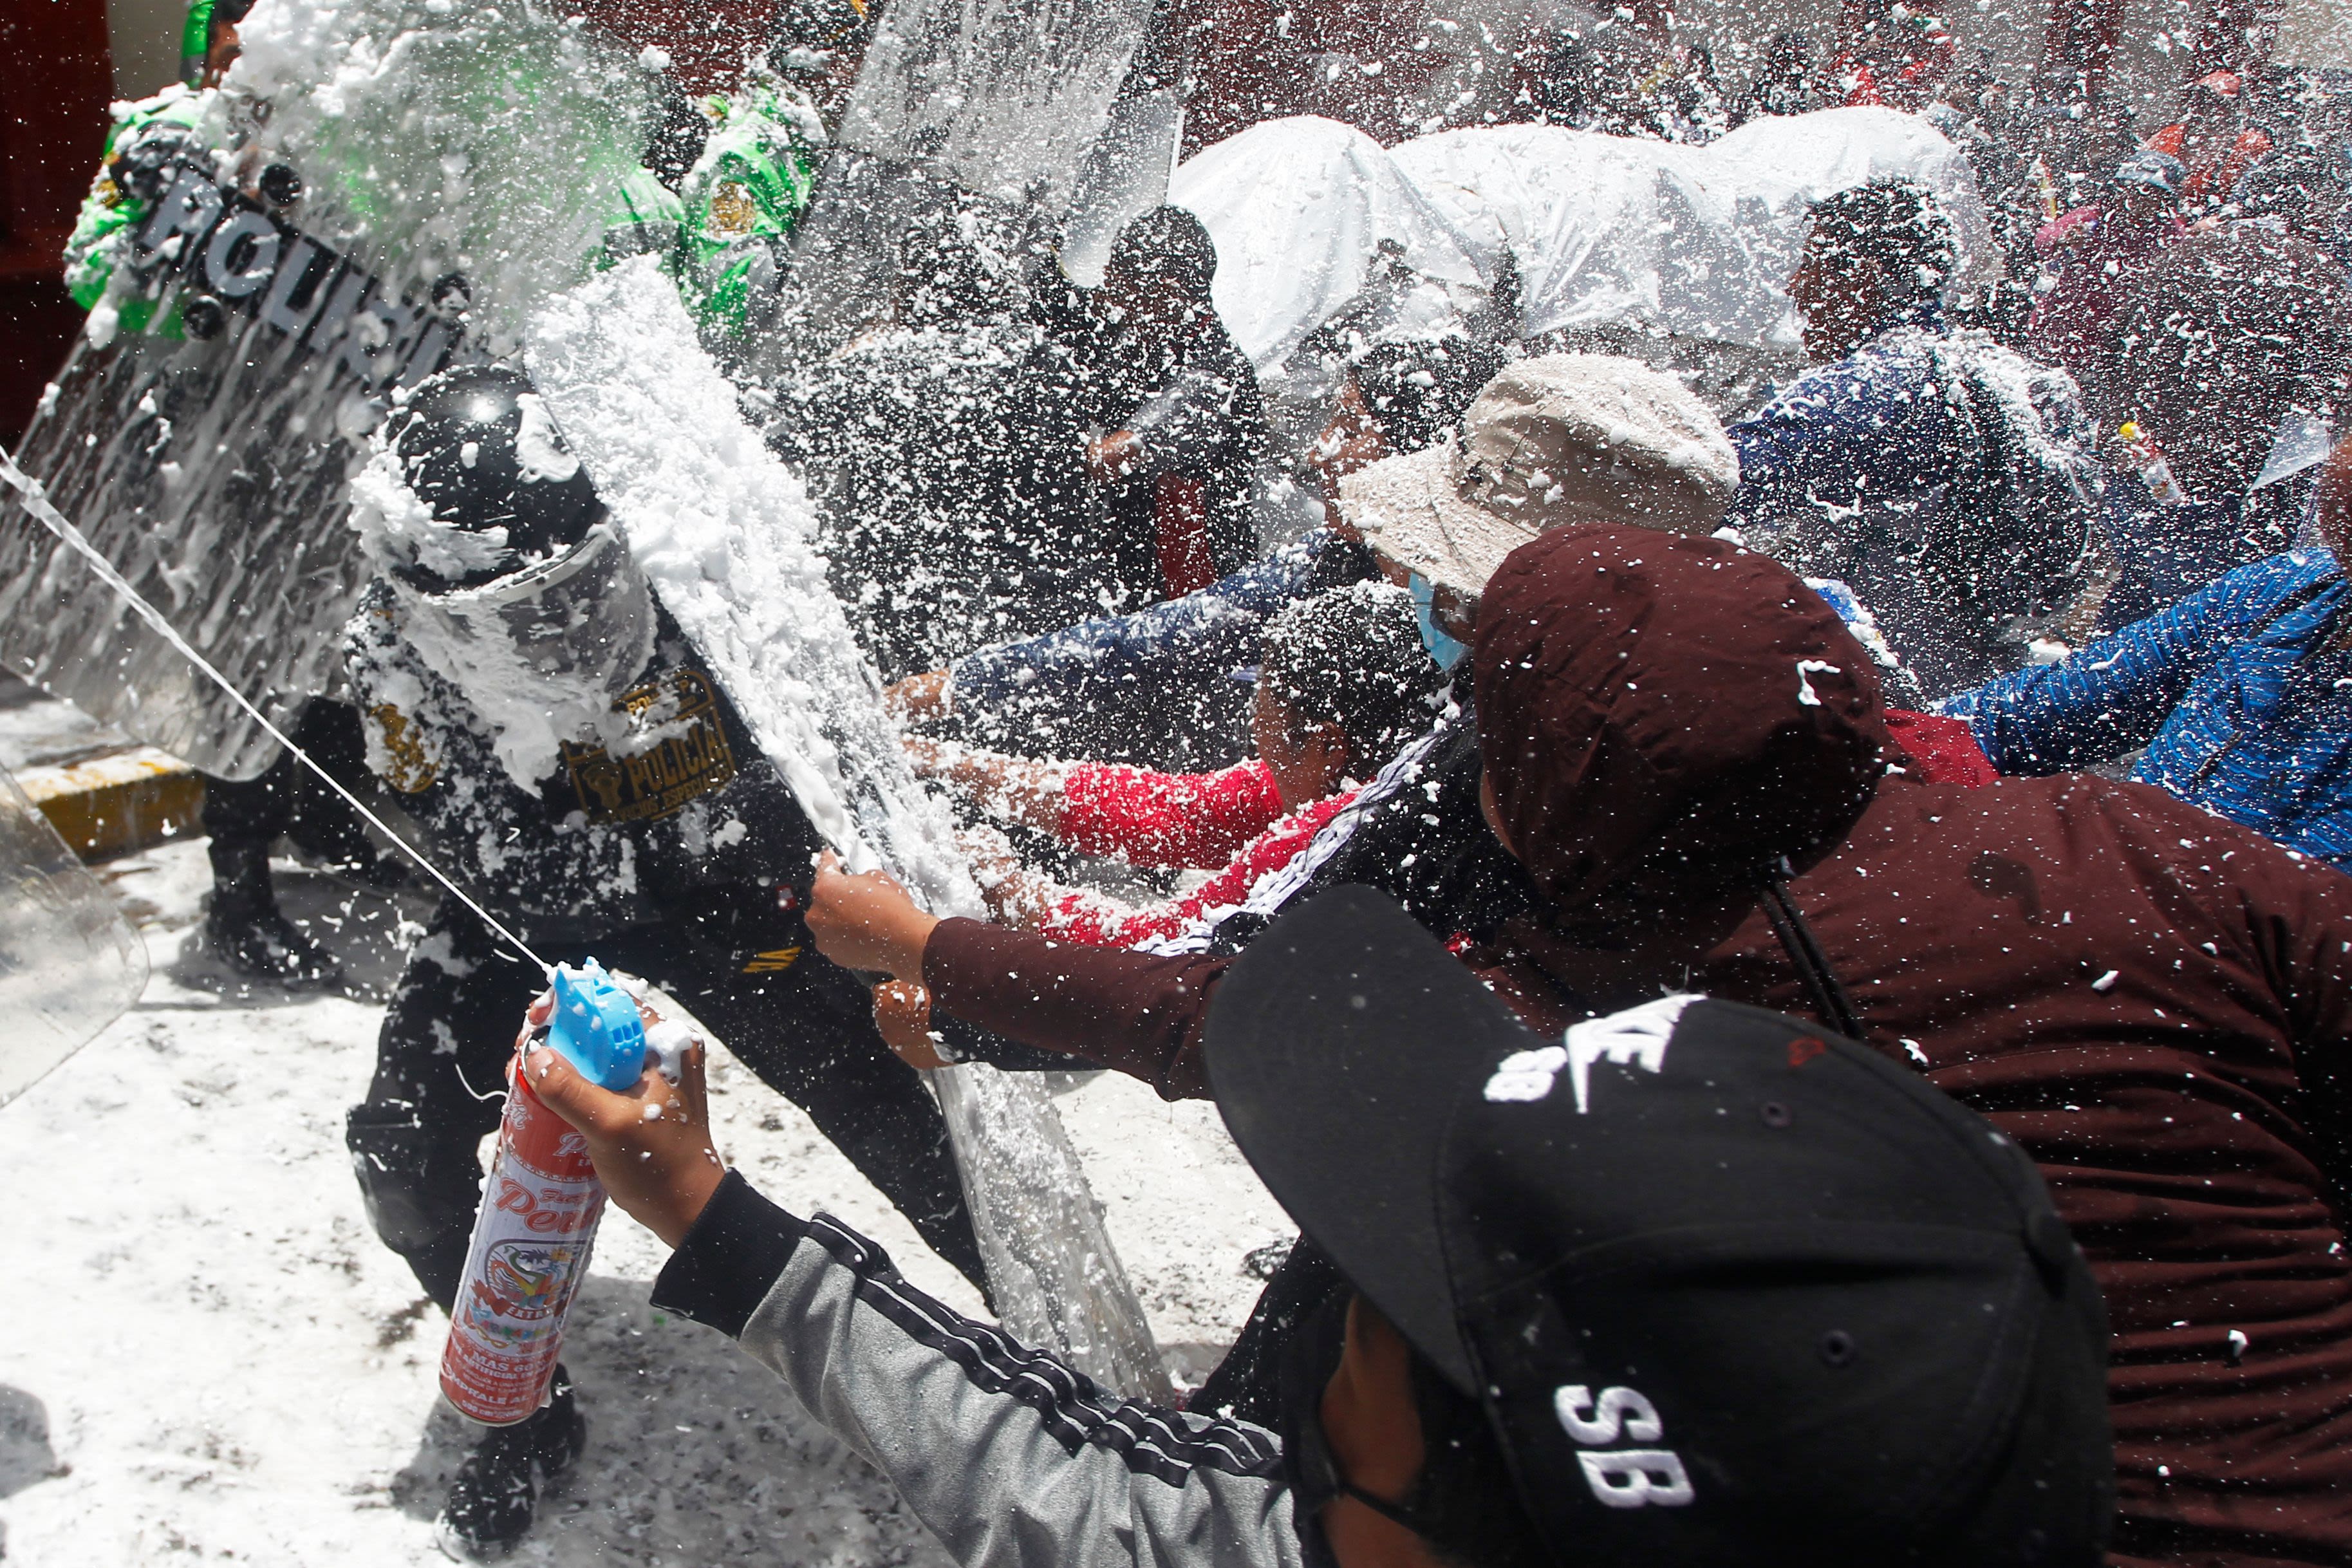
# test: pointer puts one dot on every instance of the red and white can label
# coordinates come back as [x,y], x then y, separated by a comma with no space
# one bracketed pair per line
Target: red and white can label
[530,1249]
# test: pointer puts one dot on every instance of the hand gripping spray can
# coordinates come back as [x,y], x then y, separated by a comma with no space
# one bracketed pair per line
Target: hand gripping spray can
[539,1210]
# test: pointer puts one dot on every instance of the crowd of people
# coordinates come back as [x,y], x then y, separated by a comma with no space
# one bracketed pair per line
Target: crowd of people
[1790,972]
[1976,698]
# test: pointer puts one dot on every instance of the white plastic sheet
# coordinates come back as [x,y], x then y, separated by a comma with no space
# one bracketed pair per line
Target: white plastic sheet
[1298,209]
[1794,160]
[1697,242]
[1609,228]
[69,963]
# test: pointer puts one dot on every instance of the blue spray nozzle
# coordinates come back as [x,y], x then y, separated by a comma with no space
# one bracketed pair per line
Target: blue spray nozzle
[596,1025]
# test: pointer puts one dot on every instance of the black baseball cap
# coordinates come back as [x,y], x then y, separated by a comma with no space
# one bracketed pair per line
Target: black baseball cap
[1729,1290]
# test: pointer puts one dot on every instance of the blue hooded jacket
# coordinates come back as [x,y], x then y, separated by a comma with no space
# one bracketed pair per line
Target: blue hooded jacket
[2243,706]
[1167,687]
[1949,482]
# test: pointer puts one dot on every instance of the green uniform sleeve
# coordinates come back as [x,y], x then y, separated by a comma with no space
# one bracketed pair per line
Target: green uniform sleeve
[102,229]
[744,196]
[649,222]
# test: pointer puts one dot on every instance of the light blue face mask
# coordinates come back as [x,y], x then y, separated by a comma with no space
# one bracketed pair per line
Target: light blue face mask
[1447,651]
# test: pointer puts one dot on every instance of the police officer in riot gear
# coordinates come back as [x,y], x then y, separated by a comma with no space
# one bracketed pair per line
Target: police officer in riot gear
[574,767]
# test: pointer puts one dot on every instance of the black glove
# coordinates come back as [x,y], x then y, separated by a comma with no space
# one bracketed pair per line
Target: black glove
[1182,419]
[139,165]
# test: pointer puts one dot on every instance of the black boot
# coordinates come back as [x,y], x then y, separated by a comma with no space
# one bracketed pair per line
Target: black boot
[493,1496]
[243,927]
[558,1432]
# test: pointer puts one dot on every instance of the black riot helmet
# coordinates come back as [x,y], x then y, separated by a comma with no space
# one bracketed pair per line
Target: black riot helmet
[809,35]
[480,450]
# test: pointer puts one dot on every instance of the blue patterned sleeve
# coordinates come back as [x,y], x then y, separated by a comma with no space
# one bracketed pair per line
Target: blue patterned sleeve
[1198,636]
[2112,697]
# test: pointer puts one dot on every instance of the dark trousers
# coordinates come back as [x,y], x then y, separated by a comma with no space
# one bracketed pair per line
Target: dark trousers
[244,817]
[806,1030]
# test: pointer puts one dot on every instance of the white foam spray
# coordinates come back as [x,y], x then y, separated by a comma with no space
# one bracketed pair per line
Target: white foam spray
[724,532]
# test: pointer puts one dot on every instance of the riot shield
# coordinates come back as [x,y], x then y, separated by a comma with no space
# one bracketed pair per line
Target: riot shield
[69,963]
[211,474]
[993,116]
[1005,96]
[726,535]
[1125,174]
[373,182]
[996,117]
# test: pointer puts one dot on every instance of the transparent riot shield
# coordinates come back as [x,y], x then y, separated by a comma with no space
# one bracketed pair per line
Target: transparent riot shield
[379,186]
[69,963]
[1058,1280]
[1125,174]
[1006,95]
[997,117]
[725,534]
[211,474]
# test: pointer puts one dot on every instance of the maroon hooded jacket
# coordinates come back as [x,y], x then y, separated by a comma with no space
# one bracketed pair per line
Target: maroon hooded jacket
[2154,1001]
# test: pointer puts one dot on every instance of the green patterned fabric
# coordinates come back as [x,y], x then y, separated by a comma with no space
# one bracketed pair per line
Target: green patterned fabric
[650,222]
[743,196]
[101,230]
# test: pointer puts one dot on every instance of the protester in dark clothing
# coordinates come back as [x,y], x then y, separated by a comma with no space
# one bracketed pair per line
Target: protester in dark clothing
[942,453]
[2226,342]
[2094,253]
[1156,688]
[1981,115]
[1180,425]
[1783,81]
[2301,189]
[1947,481]
[1625,73]
[1685,752]
[1588,1302]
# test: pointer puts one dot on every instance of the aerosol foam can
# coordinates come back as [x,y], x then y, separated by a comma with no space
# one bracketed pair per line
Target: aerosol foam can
[2154,471]
[539,1209]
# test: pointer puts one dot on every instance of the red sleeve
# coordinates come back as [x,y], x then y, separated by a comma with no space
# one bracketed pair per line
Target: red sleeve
[1942,750]
[1138,1012]
[1102,923]
[1180,516]
[1090,919]
[1167,819]
[2046,237]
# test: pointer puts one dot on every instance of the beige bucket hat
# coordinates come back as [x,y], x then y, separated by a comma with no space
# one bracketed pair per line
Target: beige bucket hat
[1551,441]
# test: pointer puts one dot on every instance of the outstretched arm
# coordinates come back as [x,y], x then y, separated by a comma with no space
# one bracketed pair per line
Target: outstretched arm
[1139,1013]
[1007,1455]
[2112,697]
[1016,789]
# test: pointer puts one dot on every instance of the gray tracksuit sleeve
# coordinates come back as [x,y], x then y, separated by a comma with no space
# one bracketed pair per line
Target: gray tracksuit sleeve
[1007,1456]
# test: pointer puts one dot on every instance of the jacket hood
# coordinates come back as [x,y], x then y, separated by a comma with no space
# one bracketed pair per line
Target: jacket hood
[1669,713]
